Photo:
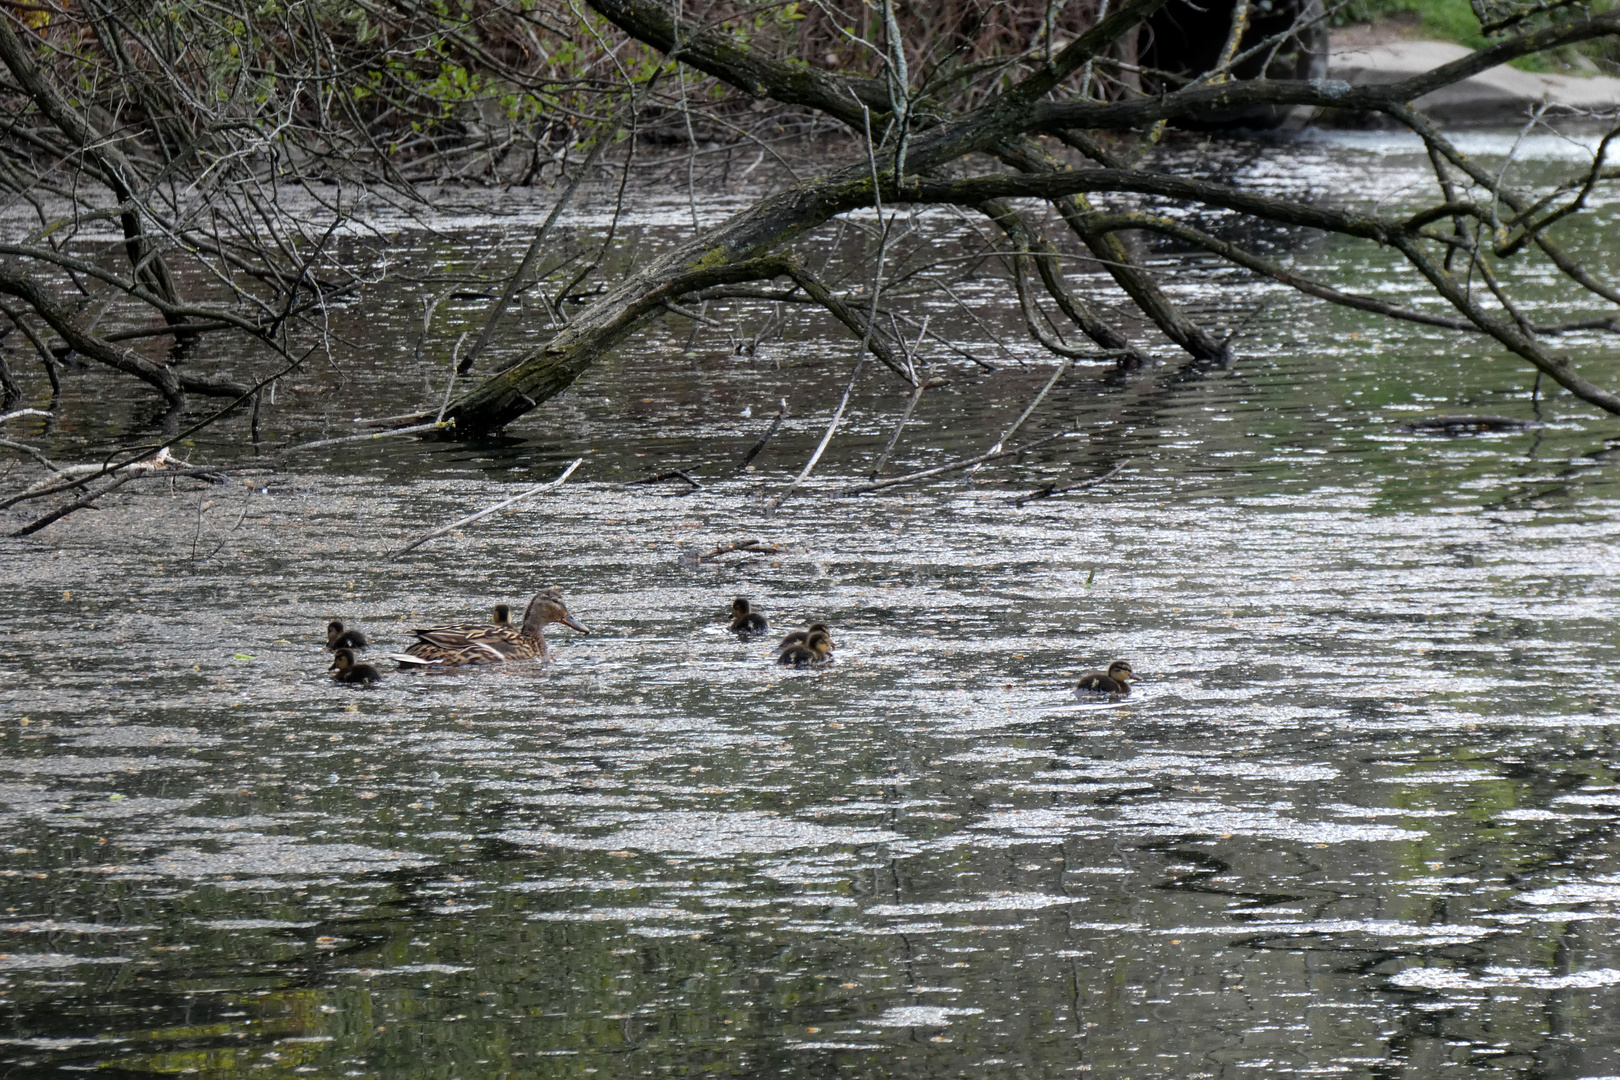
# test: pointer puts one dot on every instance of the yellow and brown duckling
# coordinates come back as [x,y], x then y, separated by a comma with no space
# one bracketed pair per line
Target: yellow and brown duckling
[798,637]
[815,649]
[503,615]
[462,644]
[339,638]
[745,620]
[347,671]
[1116,680]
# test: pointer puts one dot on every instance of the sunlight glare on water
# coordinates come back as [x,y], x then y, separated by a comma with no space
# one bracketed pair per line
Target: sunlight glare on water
[1358,819]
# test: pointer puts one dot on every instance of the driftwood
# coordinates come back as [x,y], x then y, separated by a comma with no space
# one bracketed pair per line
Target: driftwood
[470,518]
[746,546]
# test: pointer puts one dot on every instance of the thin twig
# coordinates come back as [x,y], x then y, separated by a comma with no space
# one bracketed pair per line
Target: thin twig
[470,518]
[952,466]
[916,396]
[414,429]
[838,416]
[759,447]
[529,257]
[1051,490]
[1063,365]
[22,412]
[671,474]
[57,515]
[36,454]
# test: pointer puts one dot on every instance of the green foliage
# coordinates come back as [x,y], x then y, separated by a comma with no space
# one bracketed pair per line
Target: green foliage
[1451,20]
[1455,20]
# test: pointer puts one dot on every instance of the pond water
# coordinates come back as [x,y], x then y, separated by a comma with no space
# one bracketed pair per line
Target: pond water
[1359,819]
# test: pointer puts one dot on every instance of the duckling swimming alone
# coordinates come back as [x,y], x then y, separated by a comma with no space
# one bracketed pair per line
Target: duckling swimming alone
[816,649]
[1116,680]
[339,638]
[350,672]
[461,644]
[745,620]
[798,636]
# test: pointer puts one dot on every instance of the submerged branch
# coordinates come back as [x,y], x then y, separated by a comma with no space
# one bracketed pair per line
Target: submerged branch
[550,485]
[965,463]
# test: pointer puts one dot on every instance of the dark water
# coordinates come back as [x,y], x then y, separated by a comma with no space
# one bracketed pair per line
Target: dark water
[1359,820]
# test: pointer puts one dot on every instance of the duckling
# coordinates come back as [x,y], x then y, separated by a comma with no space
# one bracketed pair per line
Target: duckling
[503,615]
[745,620]
[462,644]
[1116,681]
[350,672]
[339,638]
[817,649]
[798,636]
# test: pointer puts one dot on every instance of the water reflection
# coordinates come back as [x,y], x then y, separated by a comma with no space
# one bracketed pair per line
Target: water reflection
[1358,820]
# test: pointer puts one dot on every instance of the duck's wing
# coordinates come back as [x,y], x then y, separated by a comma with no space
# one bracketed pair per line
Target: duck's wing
[460,636]
[454,631]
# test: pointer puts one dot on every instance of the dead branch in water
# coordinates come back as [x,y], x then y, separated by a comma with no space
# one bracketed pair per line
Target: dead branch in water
[669,474]
[965,463]
[1052,490]
[213,475]
[748,547]
[470,518]
[759,447]
[414,429]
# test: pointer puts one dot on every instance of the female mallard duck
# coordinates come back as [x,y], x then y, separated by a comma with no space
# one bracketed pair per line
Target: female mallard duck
[798,637]
[339,638]
[745,620]
[1116,680]
[350,672]
[816,649]
[461,644]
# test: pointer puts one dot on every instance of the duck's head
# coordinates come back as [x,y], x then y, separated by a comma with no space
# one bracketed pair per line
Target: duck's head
[819,626]
[739,608]
[1120,671]
[547,607]
[819,643]
[503,615]
[334,630]
[343,659]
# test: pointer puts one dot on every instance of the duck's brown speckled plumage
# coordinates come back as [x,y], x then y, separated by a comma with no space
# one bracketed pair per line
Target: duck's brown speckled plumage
[798,637]
[463,644]
[345,670]
[745,620]
[1116,680]
[816,649]
[339,638]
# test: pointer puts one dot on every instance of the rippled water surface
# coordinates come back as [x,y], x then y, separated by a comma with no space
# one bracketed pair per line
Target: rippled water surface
[1358,820]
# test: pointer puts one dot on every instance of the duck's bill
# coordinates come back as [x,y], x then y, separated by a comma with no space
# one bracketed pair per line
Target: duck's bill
[568,621]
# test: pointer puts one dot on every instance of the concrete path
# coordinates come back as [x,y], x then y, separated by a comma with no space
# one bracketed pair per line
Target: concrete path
[1500,95]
